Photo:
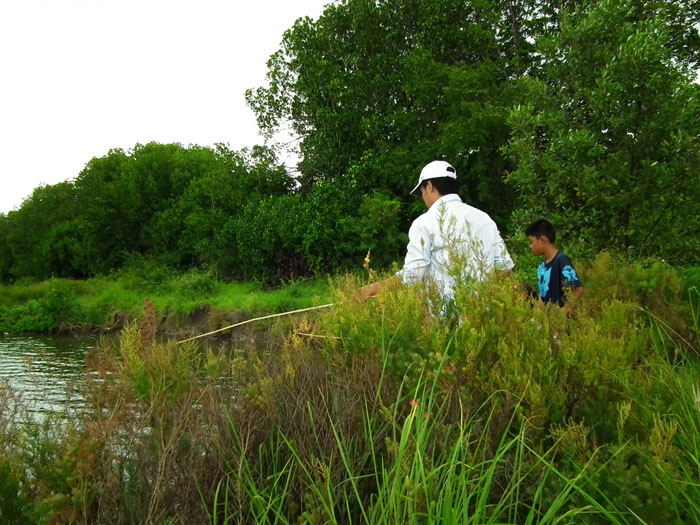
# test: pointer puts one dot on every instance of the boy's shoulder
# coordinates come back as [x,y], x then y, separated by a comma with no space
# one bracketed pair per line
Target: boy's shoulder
[561,261]
[566,268]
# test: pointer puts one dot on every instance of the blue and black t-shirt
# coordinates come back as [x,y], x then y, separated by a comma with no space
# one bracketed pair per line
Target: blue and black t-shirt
[554,275]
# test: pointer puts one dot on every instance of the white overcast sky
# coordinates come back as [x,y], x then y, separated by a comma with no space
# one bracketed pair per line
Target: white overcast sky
[80,77]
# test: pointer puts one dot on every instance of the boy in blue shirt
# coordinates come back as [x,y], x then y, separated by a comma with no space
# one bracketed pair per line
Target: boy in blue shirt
[555,273]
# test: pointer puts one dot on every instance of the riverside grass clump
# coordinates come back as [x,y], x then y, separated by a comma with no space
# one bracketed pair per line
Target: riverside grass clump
[50,307]
[387,413]
[103,303]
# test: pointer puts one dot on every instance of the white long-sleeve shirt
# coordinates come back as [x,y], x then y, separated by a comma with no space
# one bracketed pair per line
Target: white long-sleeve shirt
[453,241]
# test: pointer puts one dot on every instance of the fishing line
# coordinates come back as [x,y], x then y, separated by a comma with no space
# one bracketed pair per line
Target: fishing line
[258,319]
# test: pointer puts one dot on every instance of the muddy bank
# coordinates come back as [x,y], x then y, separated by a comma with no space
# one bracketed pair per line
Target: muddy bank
[202,320]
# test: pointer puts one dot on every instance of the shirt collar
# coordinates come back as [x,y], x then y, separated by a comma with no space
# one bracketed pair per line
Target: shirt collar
[452,197]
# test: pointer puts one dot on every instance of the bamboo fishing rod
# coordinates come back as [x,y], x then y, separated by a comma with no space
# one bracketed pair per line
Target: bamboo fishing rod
[257,319]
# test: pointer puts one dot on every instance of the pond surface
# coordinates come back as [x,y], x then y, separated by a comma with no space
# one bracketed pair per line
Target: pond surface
[43,370]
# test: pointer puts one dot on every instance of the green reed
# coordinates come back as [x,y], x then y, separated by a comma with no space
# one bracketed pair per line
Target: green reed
[384,413]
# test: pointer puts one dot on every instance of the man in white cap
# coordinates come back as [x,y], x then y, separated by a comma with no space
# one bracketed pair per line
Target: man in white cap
[451,242]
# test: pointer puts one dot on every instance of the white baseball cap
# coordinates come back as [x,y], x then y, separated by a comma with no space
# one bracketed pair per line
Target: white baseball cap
[435,170]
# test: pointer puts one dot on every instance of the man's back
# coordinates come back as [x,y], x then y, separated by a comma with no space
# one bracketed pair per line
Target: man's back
[451,241]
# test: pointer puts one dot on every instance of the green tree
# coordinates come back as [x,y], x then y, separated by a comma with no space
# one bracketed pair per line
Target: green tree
[378,88]
[381,88]
[29,229]
[6,258]
[105,208]
[606,142]
[146,202]
[220,185]
[177,229]
[158,200]
[264,242]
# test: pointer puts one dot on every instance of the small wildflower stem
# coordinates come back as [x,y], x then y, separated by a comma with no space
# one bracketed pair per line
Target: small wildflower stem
[318,335]
[667,326]
[258,319]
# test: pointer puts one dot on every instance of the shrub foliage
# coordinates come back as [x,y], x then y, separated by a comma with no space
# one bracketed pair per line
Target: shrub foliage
[385,412]
[582,113]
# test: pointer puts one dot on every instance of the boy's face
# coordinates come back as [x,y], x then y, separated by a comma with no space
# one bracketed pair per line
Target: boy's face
[537,244]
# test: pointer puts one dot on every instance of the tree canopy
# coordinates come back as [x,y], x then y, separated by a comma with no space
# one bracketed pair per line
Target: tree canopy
[583,113]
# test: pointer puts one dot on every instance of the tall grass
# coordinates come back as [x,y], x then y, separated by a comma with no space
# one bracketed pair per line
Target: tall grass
[417,467]
[107,302]
[387,413]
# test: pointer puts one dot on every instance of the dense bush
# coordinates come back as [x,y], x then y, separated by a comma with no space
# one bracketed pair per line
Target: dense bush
[234,213]
[264,242]
[581,113]
[387,412]
[602,141]
[691,279]
[162,201]
[57,309]
[298,235]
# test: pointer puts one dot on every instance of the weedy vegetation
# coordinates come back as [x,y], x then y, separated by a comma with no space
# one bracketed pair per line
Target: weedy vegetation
[106,302]
[387,413]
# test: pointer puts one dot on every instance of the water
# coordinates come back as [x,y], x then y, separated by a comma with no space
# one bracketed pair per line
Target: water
[44,370]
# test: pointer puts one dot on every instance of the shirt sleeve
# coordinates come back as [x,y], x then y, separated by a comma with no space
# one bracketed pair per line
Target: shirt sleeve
[568,273]
[501,257]
[417,260]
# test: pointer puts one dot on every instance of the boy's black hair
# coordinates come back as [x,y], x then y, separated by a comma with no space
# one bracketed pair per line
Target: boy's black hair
[444,185]
[542,228]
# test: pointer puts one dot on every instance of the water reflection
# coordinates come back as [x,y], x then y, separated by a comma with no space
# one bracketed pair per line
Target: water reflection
[44,370]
